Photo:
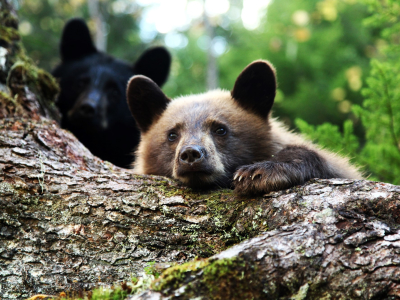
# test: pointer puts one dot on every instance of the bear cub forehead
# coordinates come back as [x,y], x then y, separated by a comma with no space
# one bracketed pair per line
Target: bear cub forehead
[201,112]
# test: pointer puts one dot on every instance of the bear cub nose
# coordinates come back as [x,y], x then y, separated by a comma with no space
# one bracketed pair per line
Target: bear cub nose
[192,155]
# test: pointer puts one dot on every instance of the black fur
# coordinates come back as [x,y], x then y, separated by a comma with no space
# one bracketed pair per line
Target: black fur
[146,101]
[154,64]
[93,93]
[255,88]
[76,41]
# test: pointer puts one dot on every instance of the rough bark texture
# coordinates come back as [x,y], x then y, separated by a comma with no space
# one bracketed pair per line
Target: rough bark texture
[69,221]
[343,244]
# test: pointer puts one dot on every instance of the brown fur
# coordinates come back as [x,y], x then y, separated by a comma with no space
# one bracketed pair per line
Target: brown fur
[262,152]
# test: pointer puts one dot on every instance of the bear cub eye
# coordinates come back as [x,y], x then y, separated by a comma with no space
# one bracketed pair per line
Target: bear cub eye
[172,136]
[220,131]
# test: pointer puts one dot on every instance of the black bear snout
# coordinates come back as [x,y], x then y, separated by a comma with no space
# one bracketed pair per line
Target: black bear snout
[191,154]
[87,109]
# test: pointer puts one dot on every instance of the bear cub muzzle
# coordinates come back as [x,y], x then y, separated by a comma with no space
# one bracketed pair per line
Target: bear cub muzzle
[221,138]
[192,160]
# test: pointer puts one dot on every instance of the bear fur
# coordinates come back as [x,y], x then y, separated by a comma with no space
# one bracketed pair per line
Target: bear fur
[219,138]
[93,99]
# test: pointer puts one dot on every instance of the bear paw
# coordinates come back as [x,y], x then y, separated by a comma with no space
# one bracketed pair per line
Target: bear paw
[262,177]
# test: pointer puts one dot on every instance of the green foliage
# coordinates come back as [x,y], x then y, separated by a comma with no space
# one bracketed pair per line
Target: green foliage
[326,52]
[313,60]
[386,14]
[380,110]
[329,136]
[380,115]
[41,24]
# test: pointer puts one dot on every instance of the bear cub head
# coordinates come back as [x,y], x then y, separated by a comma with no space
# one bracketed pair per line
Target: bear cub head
[93,99]
[202,139]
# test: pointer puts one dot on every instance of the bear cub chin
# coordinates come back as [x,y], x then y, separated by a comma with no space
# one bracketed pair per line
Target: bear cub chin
[218,138]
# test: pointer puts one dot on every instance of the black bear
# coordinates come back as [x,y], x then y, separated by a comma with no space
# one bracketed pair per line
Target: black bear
[93,93]
[216,138]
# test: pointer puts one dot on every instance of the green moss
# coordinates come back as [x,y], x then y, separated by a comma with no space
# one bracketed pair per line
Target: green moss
[222,207]
[47,84]
[6,99]
[218,270]
[173,277]
[9,34]
[219,279]
[44,86]
[101,293]
[223,210]
[231,279]
[117,292]
[151,269]
[302,293]
[8,19]
[206,248]
[22,70]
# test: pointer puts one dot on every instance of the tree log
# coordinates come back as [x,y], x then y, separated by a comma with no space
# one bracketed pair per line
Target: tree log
[70,221]
[342,251]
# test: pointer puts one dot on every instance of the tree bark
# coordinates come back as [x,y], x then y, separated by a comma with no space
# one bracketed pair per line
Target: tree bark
[70,222]
[340,249]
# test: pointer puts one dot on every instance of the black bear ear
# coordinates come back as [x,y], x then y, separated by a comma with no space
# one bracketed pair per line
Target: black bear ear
[146,101]
[76,41]
[255,88]
[155,64]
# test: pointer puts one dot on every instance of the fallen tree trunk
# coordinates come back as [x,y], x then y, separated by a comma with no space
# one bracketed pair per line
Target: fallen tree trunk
[339,255]
[70,222]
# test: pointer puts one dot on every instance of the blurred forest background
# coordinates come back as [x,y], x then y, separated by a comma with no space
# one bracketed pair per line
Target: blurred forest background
[338,61]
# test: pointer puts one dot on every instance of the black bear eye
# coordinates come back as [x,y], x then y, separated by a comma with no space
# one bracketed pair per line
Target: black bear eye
[81,83]
[220,131]
[172,136]
[114,93]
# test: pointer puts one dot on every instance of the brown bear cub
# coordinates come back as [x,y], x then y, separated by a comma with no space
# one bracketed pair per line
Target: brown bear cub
[216,138]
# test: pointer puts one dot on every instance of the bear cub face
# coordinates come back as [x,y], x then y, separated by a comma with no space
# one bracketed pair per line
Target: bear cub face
[93,99]
[202,139]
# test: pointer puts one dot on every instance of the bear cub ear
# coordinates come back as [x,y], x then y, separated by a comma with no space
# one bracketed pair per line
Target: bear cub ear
[146,101]
[76,41]
[155,64]
[255,88]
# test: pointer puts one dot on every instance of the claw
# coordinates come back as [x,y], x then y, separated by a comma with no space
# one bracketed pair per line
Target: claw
[240,178]
[236,176]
